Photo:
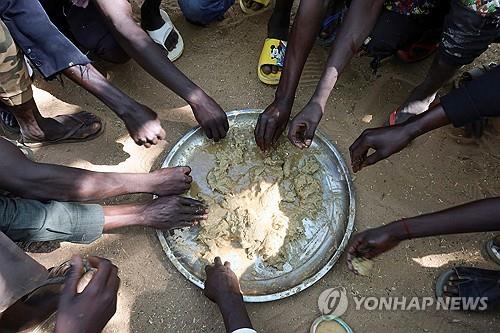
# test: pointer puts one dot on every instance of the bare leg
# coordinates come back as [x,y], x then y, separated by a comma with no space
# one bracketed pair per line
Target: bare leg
[278,27]
[425,93]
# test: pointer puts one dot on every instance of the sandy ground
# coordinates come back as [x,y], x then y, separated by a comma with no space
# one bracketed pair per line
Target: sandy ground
[437,171]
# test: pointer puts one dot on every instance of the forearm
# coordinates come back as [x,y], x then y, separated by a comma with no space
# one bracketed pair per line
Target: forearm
[155,61]
[234,313]
[359,22]
[303,34]
[54,182]
[426,122]
[477,216]
[94,82]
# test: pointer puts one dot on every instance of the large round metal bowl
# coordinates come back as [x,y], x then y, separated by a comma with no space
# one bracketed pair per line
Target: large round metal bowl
[315,255]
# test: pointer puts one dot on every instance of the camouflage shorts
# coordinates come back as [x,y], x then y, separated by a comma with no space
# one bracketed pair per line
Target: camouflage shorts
[15,82]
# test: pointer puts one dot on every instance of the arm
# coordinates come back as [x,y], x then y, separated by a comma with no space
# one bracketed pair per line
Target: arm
[40,181]
[141,122]
[155,61]
[478,216]
[223,288]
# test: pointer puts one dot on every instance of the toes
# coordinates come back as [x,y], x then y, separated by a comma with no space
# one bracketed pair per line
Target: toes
[266,69]
[275,69]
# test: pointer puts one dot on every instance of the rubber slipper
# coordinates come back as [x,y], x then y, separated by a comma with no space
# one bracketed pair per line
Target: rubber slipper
[417,52]
[493,251]
[67,138]
[249,11]
[273,54]
[397,117]
[474,283]
[8,121]
[160,36]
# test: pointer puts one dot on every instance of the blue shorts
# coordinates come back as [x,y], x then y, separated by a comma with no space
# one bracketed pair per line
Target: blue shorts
[204,11]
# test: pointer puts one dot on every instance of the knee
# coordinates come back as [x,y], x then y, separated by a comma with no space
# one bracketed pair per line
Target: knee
[204,11]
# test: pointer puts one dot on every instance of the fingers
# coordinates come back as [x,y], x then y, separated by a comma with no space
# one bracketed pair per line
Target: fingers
[227,264]
[372,159]
[217,261]
[113,283]
[162,135]
[100,278]
[358,151]
[259,131]
[71,282]
[186,170]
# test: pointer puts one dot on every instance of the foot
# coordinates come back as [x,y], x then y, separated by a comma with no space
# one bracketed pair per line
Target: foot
[151,20]
[78,126]
[174,212]
[493,249]
[172,181]
[277,28]
[143,125]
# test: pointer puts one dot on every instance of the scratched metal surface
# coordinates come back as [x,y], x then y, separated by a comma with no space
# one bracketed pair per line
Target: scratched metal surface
[312,256]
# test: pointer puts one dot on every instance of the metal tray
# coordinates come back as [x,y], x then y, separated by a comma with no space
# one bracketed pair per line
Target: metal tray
[324,239]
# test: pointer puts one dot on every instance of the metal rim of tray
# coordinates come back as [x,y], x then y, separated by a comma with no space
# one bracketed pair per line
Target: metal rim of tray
[307,282]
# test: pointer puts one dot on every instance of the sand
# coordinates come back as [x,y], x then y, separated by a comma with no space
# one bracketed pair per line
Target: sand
[436,171]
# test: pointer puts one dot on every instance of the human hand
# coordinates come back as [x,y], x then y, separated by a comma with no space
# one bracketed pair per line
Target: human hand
[173,212]
[386,141]
[143,125]
[372,242]
[221,283]
[170,181]
[303,126]
[90,310]
[211,117]
[271,123]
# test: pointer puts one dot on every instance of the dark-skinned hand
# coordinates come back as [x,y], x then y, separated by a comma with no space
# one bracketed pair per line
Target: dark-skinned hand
[271,123]
[386,141]
[143,125]
[90,310]
[371,243]
[303,127]
[221,282]
[211,118]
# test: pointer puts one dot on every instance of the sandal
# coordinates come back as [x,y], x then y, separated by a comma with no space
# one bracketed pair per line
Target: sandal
[249,11]
[493,251]
[68,137]
[273,54]
[472,283]
[331,21]
[160,36]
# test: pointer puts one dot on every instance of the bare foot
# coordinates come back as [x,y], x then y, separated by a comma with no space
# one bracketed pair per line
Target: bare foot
[166,213]
[277,27]
[172,181]
[143,125]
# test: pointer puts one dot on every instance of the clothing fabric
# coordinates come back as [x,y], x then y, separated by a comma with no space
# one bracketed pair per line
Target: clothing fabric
[42,43]
[31,220]
[411,7]
[204,12]
[466,34]
[15,82]
[475,99]
[85,25]
[19,273]
[484,7]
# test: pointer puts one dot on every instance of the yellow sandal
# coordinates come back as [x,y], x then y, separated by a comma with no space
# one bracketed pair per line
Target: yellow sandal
[273,54]
[249,11]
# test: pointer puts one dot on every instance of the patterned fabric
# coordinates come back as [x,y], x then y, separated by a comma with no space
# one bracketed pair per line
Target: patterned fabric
[482,6]
[411,7]
[15,82]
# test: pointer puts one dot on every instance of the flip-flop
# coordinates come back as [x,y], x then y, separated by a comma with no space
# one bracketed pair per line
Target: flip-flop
[67,138]
[8,121]
[249,11]
[417,52]
[398,117]
[475,282]
[493,251]
[160,36]
[273,54]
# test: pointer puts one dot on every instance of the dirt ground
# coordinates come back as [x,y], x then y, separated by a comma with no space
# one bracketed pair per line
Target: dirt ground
[438,170]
